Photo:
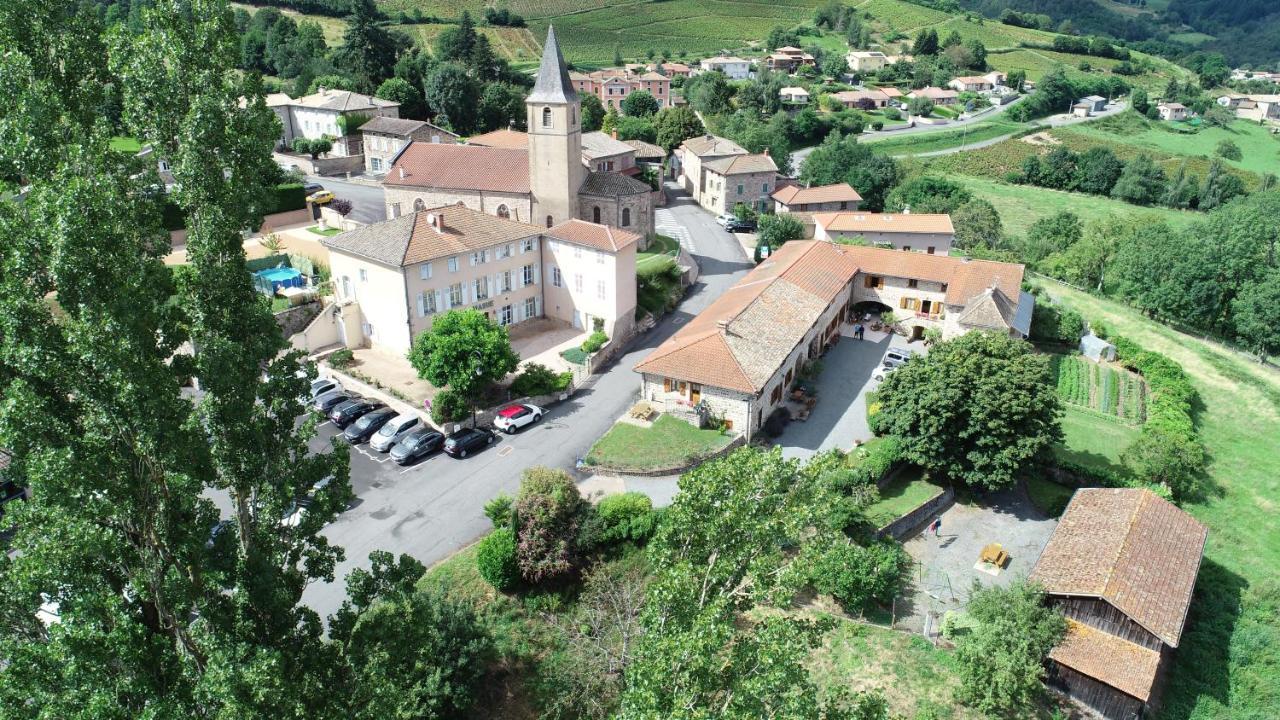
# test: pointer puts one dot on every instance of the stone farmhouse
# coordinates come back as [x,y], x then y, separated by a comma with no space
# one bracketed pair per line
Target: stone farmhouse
[1122,567]
[793,198]
[394,277]
[322,115]
[720,174]
[538,177]
[738,358]
[735,68]
[385,137]
[614,85]
[916,232]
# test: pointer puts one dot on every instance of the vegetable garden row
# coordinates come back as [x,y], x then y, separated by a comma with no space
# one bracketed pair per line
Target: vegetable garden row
[1105,389]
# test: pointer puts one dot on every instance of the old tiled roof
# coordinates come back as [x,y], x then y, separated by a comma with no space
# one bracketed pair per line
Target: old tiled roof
[935,93]
[552,84]
[607,184]
[859,221]
[891,92]
[399,126]
[853,96]
[796,195]
[964,278]
[744,336]
[503,138]
[974,80]
[600,237]
[991,309]
[742,164]
[597,144]
[413,238]
[1131,548]
[645,150]
[461,167]
[343,101]
[1123,665]
[705,145]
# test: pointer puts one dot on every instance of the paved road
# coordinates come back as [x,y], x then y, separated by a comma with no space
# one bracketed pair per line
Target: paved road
[1053,121]
[433,509]
[367,204]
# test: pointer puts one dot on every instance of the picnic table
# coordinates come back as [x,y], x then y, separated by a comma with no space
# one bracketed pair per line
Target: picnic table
[994,554]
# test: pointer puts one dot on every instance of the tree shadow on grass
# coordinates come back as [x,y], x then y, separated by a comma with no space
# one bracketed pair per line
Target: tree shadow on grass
[1202,665]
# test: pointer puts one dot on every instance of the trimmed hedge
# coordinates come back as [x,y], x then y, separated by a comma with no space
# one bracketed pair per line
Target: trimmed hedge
[594,342]
[279,198]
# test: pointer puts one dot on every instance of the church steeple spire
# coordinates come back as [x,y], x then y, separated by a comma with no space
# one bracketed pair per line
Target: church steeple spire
[553,84]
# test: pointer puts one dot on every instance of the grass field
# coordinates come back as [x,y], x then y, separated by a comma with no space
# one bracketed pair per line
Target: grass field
[668,443]
[1228,663]
[513,44]
[1259,148]
[124,144]
[1048,496]
[927,142]
[1092,440]
[1021,205]
[904,493]
[660,253]
[335,29]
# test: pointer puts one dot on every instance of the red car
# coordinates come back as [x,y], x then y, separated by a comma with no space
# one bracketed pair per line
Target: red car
[514,417]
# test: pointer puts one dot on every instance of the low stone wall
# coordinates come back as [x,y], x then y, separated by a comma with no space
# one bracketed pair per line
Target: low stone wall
[929,509]
[297,318]
[736,443]
[321,166]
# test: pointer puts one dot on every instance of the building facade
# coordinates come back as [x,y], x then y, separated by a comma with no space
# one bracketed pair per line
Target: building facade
[720,174]
[735,68]
[866,61]
[914,232]
[614,85]
[385,137]
[324,114]
[824,198]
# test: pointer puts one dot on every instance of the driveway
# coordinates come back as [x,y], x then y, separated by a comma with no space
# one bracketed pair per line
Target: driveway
[436,508]
[368,204]
[840,417]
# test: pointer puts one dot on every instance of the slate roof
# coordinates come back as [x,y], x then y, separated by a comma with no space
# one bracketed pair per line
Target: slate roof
[412,238]
[552,84]
[460,167]
[600,237]
[742,164]
[796,195]
[1131,548]
[1123,665]
[597,144]
[400,126]
[607,184]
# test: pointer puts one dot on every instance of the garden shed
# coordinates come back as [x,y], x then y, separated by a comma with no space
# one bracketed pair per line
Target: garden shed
[1097,349]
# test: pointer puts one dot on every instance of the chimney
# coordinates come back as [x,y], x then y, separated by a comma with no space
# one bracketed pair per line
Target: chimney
[401,172]
[723,326]
[436,221]
[323,90]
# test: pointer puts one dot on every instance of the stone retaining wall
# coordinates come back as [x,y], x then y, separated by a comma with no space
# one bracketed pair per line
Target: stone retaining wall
[296,319]
[926,511]
[737,442]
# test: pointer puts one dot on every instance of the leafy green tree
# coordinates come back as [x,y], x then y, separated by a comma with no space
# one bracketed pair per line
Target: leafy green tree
[926,43]
[1257,314]
[1227,149]
[412,104]
[927,194]
[977,409]
[858,577]
[775,229]
[1049,235]
[502,105]
[549,511]
[640,104]
[920,106]
[636,128]
[1183,189]
[386,576]
[977,54]
[464,351]
[458,42]
[496,559]
[1139,101]
[1141,183]
[841,158]
[1058,169]
[709,93]
[675,125]
[1002,658]
[1086,260]
[781,36]
[1097,171]
[610,122]
[1172,459]
[451,92]
[315,147]
[978,226]
[1016,79]
[368,51]
[1220,186]
[592,113]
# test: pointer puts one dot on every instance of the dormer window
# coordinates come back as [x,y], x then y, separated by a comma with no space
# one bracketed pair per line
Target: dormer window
[546,117]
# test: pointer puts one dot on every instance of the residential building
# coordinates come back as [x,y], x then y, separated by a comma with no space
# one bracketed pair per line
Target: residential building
[794,96]
[824,198]
[996,78]
[385,137]
[740,355]
[971,83]
[1082,109]
[866,61]
[735,68]
[1173,111]
[540,177]
[720,174]
[647,153]
[1121,566]
[394,277]
[1258,108]
[864,99]
[939,96]
[613,86]
[669,69]
[326,114]
[913,232]
[693,152]
[604,153]
[788,59]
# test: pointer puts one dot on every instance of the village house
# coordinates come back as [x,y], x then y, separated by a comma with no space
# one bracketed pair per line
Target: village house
[541,177]
[866,61]
[1122,567]
[939,96]
[913,232]
[1258,107]
[647,153]
[669,69]
[863,99]
[1173,111]
[735,68]
[794,96]
[1082,109]
[605,153]
[613,86]
[793,198]
[996,78]
[385,137]
[740,355]
[788,59]
[326,113]
[720,174]
[393,278]
[971,83]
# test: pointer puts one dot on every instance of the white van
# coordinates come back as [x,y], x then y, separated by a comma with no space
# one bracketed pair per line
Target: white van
[897,357]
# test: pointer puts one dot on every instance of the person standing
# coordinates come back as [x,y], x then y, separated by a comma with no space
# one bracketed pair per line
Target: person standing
[936,526]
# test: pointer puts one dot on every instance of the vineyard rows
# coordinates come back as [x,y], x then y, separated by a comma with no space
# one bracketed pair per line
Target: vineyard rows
[1107,390]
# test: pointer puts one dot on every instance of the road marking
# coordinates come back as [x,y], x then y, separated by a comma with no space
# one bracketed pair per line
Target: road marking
[506,451]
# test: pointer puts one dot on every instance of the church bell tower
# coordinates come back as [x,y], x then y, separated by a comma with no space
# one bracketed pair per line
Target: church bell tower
[555,140]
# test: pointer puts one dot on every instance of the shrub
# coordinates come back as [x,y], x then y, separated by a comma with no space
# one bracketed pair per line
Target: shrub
[594,341]
[1002,659]
[449,406]
[628,516]
[877,125]
[498,510]
[858,576]
[342,358]
[1054,324]
[538,379]
[549,511]
[496,559]
[285,197]
[874,460]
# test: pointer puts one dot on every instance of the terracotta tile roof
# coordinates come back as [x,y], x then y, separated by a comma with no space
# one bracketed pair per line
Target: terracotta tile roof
[429,234]
[600,237]
[741,340]
[796,195]
[1115,661]
[853,96]
[607,184]
[965,279]
[742,164]
[503,138]
[859,221]
[705,145]
[892,92]
[654,76]
[973,80]
[934,93]
[460,167]
[644,149]
[1131,548]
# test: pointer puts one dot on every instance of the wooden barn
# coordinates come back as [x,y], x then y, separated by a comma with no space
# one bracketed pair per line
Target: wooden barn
[1121,566]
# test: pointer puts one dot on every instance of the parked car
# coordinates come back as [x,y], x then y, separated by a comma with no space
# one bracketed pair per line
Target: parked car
[326,401]
[351,410]
[419,443]
[740,226]
[514,417]
[312,187]
[368,424]
[723,220]
[882,372]
[320,386]
[467,441]
[298,509]
[321,197]
[394,431]
[896,357]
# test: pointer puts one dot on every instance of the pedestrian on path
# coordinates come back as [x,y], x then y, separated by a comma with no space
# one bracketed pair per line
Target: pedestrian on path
[861,330]
[936,526]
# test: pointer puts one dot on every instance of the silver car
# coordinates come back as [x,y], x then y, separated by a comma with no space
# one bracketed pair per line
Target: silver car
[394,431]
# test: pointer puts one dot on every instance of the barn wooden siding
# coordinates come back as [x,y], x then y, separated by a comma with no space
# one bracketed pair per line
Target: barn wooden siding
[1104,616]
[1101,697]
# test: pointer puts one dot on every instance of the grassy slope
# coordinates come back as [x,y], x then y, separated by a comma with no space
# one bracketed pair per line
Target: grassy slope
[904,493]
[943,139]
[1260,149]
[513,44]
[1093,440]
[1228,663]
[334,28]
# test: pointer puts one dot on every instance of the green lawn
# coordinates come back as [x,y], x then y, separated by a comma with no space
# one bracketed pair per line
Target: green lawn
[903,494]
[1094,440]
[1260,149]
[661,252]
[926,142]
[1021,205]
[326,232]
[1049,497]
[668,443]
[124,144]
[1228,663]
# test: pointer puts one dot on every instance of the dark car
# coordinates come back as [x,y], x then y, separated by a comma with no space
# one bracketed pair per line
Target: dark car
[468,440]
[326,401]
[312,187]
[416,444]
[351,410]
[740,226]
[368,424]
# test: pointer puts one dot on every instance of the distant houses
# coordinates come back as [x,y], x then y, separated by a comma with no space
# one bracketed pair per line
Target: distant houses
[735,68]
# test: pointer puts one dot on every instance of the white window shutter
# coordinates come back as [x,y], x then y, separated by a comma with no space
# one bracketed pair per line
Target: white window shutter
[473,259]
[422,305]
[535,274]
[438,304]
